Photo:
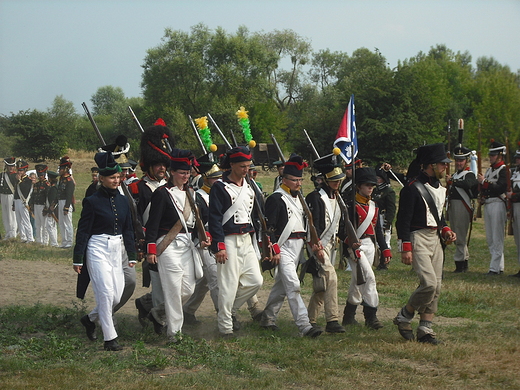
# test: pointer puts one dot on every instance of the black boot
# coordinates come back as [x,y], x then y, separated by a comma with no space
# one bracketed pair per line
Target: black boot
[459,267]
[349,315]
[90,327]
[371,319]
[466,266]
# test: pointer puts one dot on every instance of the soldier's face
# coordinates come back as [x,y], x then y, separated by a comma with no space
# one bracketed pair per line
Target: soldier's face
[460,165]
[366,189]
[180,177]
[159,171]
[11,168]
[240,169]
[439,169]
[334,184]
[294,183]
[111,181]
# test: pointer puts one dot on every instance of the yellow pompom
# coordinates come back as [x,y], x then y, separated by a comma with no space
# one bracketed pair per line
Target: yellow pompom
[252,144]
[213,148]
[336,151]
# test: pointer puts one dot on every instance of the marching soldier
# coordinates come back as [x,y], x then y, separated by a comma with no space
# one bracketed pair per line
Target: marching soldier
[285,218]
[104,231]
[7,188]
[38,200]
[384,196]
[210,173]
[51,206]
[170,244]
[95,182]
[420,228]
[514,196]
[278,179]
[370,232]
[493,186]
[231,227]
[462,188]
[22,198]
[66,187]
[154,160]
[326,214]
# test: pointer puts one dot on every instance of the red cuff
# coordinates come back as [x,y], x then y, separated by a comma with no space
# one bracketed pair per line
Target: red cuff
[276,249]
[485,185]
[358,253]
[387,253]
[405,246]
[221,246]
[445,229]
[208,235]
[151,248]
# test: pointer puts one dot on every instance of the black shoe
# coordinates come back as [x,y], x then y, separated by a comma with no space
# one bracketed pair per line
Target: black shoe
[90,327]
[459,267]
[236,324]
[273,327]
[405,329]
[227,336]
[112,345]
[157,327]
[258,316]
[142,312]
[334,327]
[190,319]
[517,275]
[429,339]
[313,332]
[492,273]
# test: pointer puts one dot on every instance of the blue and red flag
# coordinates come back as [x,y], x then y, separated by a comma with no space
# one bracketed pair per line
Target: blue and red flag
[346,138]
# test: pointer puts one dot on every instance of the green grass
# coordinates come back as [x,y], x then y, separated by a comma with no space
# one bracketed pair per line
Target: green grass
[43,346]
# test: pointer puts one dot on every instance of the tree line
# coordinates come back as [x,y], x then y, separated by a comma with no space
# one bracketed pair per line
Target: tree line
[287,86]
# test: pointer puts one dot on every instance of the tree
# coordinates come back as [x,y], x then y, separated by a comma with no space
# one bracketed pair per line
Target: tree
[107,100]
[35,137]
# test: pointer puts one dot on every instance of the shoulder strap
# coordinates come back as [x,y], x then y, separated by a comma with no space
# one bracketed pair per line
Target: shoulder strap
[429,200]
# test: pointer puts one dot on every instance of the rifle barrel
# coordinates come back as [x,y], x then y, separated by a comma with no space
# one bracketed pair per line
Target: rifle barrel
[94,125]
[228,145]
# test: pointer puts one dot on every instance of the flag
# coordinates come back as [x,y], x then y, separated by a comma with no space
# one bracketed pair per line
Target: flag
[346,136]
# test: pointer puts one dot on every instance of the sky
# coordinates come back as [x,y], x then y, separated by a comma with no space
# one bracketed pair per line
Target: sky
[73,47]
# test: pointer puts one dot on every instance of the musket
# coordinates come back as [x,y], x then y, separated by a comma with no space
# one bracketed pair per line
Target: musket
[351,232]
[96,129]
[479,169]
[448,154]
[136,121]
[136,223]
[509,205]
[228,145]
[197,135]
[314,237]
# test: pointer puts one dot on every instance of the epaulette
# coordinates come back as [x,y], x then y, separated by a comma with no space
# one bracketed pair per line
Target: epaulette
[134,189]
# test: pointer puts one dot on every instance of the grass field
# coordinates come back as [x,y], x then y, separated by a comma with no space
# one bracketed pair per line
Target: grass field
[43,346]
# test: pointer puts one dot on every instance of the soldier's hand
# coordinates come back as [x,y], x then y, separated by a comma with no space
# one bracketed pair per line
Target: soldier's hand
[275,259]
[406,258]
[221,256]
[450,236]
[151,258]
[77,268]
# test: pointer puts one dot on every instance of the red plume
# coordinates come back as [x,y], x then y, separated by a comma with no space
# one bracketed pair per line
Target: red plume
[492,140]
[160,122]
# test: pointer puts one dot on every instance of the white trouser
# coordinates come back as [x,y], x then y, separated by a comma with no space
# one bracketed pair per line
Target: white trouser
[208,282]
[287,283]
[65,222]
[8,216]
[495,223]
[105,267]
[130,279]
[365,293]
[516,228]
[52,230]
[238,279]
[24,221]
[41,234]
[177,273]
